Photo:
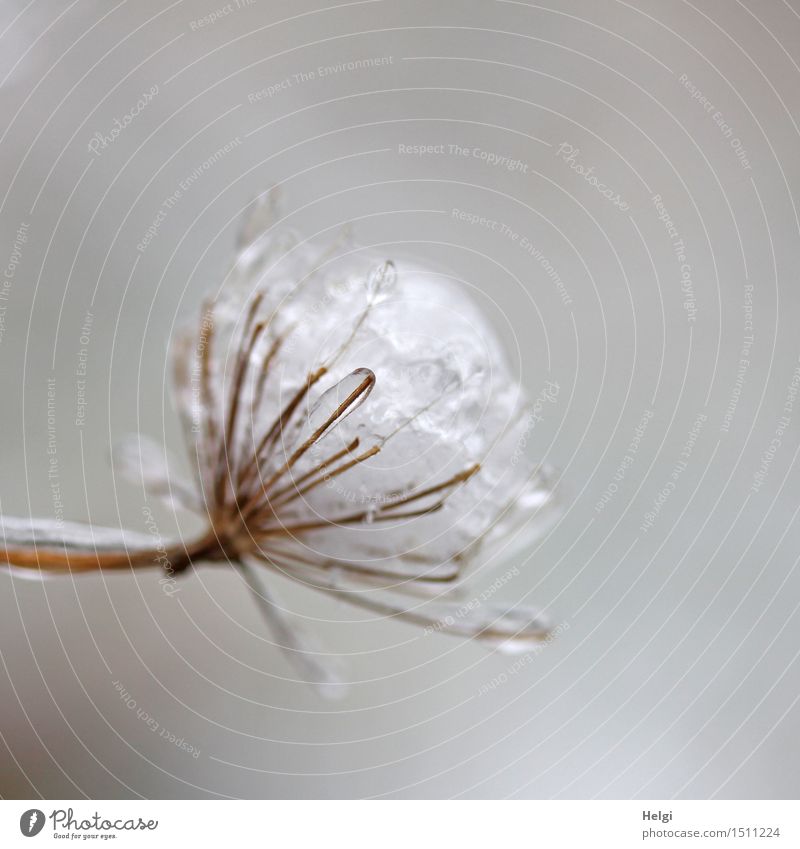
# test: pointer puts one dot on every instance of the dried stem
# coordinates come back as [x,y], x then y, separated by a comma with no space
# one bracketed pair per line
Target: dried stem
[174,558]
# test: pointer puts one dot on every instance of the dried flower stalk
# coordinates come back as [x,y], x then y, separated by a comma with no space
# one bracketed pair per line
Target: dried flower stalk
[261,439]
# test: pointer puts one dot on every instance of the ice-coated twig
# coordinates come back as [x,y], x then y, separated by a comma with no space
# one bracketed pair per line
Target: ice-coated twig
[273,443]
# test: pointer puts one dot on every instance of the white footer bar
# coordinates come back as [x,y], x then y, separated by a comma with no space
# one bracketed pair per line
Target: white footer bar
[406,824]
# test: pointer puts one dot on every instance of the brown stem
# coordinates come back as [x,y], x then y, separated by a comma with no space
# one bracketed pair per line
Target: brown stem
[320,468]
[253,469]
[364,388]
[173,558]
[326,475]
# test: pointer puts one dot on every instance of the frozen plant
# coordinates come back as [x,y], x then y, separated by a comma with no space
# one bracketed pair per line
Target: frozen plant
[355,430]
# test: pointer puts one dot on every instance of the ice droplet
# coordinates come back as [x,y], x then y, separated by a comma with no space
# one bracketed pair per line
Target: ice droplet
[512,630]
[381,280]
[260,216]
[336,403]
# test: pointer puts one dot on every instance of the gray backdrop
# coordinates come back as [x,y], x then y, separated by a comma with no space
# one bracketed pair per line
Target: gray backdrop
[636,169]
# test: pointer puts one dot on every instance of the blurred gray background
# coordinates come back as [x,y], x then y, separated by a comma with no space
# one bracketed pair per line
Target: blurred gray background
[663,292]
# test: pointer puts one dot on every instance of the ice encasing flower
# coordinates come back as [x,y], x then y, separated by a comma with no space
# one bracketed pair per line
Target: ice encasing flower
[352,426]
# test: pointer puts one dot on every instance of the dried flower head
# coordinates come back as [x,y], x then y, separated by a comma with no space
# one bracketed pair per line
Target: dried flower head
[354,429]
